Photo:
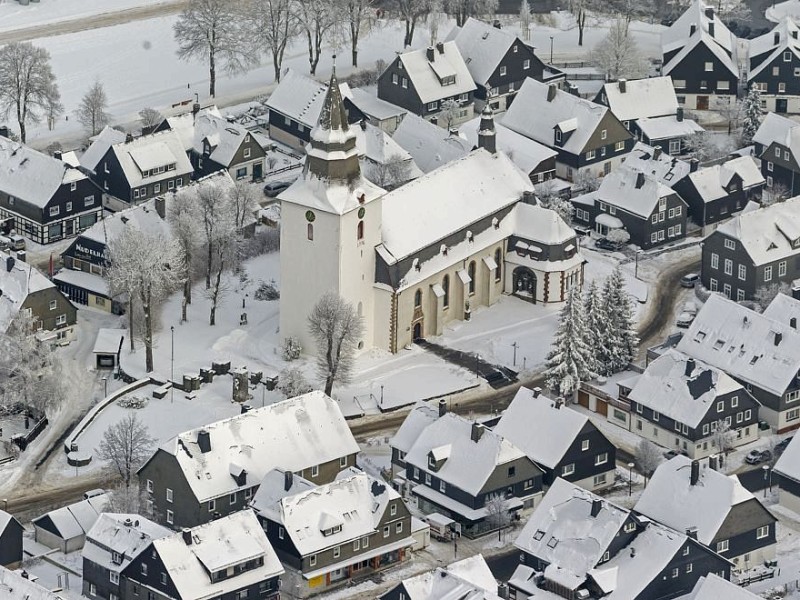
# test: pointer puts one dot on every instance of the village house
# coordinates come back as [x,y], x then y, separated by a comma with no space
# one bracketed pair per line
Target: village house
[418,418]
[430,146]
[65,528]
[10,541]
[778,140]
[659,165]
[378,112]
[786,474]
[17,585]
[307,435]
[774,60]
[713,587]
[467,578]
[773,128]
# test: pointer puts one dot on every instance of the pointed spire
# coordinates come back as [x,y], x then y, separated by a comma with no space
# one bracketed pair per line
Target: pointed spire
[486,131]
[333,117]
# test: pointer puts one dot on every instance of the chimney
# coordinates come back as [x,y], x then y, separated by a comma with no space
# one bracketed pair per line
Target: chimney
[429,53]
[656,152]
[57,154]
[694,475]
[204,440]
[679,114]
[639,180]
[161,207]
[693,164]
[622,85]
[778,338]
[21,256]
[9,264]
[777,38]
[128,523]
[711,29]
[496,24]
[689,367]
[793,322]
[442,407]
[477,432]
[692,29]
[709,12]
[691,532]
[187,536]
[487,138]
[712,462]
[195,107]
[794,33]
[24,574]
[537,391]
[551,92]
[502,590]
[633,552]
[440,47]
[597,504]
[288,480]
[128,138]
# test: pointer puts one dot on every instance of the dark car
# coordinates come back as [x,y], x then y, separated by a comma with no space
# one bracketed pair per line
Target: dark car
[607,244]
[673,453]
[757,456]
[690,280]
[781,446]
[273,188]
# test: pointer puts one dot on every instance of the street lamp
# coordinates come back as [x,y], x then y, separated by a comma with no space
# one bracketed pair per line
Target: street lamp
[5,504]
[478,366]
[767,479]
[514,346]
[551,50]
[105,387]
[172,367]
[630,478]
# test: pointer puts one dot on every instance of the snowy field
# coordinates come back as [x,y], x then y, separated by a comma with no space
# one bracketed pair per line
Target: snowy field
[14,15]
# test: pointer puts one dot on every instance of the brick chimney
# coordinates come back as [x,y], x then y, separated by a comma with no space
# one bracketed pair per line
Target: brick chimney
[430,54]
[442,407]
[204,441]
[477,432]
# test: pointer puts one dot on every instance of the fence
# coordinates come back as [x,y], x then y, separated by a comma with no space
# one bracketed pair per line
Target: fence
[22,441]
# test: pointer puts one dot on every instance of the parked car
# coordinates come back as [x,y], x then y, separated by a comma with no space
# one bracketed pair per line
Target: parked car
[757,456]
[93,493]
[673,453]
[781,446]
[690,280]
[684,320]
[607,244]
[273,188]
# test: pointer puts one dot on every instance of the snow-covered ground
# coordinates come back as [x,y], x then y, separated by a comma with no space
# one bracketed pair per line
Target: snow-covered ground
[14,15]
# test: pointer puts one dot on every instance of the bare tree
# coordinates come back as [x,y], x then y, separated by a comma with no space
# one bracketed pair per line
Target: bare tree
[550,198]
[274,25]
[766,293]
[581,11]
[436,17]
[224,258]
[450,111]
[293,383]
[337,330]
[91,112]
[213,30]
[777,192]
[497,513]
[586,181]
[618,54]
[316,19]
[131,500]
[648,457]
[411,12]
[126,445]
[394,171]
[357,15]
[150,118]
[27,85]
[706,146]
[244,202]
[464,9]
[525,19]
[723,436]
[731,110]
[183,216]
[212,206]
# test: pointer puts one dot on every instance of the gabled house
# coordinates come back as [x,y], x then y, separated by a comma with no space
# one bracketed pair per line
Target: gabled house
[307,435]
[219,144]
[680,402]
[651,213]
[65,528]
[659,165]
[587,136]
[459,467]
[10,541]
[561,441]
[786,474]
[469,578]
[227,558]
[430,146]
[670,134]
[100,144]
[774,66]
[47,198]
[773,128]
[713,587]
[383,161]
[780,160]
[763,354]
[111,544]
[716,192]
[378,112]
[754,249]
[724,516]
[418,418]
[424,81]
[578,545]
[499,62]
[16,585]
[700,54]
[328,534]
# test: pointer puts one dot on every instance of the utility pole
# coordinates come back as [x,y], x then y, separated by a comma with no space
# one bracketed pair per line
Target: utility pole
[172,368]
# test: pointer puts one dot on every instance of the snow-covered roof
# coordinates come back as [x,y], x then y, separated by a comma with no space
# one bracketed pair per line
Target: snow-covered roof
[13,586]
[710,181]
[767,234]
[533,116]
[337,197]
[76,519]
[744,344]
[526,153]
[183,124]
[699,15]
[354,504]
[702,38]
[300,97]
[124,534]
[108,341]
[657,164]
[670,491]
[661,128]
[667,389]
[420,416]
[788,464]
[151,152]
[372,106]
[467,579]
[774,128]
[538,224]
[542,431]
[482,46]
[31,176]
[469,463]
[16,285]
[783,308]
[431,146]
[632,191]
[642,98]
[449,199]
[787,32]
[714,587]
[294,434]
[563,533]
[142,217]
[83,279]
[100,145]
[5,519]
[224,138]
[426,76]
[214,547]
[379,147]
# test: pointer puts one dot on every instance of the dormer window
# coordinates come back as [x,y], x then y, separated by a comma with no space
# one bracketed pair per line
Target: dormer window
[331,530]
[449,80]
[558,135]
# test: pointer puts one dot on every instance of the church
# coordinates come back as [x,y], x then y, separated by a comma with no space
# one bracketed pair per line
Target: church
[416,258]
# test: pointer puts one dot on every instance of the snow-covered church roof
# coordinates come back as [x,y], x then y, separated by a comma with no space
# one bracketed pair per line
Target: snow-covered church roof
[431,146]
[526,153]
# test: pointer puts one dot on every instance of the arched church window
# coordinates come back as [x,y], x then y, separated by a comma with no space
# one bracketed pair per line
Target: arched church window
[310,231]
[498,259]
[360,233]
[446,288]
[417,298]
[471,273]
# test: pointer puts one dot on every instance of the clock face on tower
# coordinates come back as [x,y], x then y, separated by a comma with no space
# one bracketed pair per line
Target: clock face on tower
[361,212]
[310,216]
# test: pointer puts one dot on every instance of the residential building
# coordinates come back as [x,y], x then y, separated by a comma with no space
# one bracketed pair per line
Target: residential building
[717,192]
[430,146]
[458,468]
[111,544]
[774,66]
[786,474]
[780,158]
[651,213]
[680,402]
[578,545]
[561,441]
[724,516]
[383,161]
[10,541]
[219,144]
[712,587]
[307,435]
[700,54]
[499,62]
[659,165]
[433,83]
[773,128]
[587,136]
[467,578]
[327,535]
[48,199]
[378,112]
[227,558]
[755,249]
[761,353]
[65,528]
[672,134]
[100,144]
[417,419]
[25,289]
[17,585]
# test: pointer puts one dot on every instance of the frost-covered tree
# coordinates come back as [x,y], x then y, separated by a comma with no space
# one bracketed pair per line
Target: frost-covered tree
[723,436]
[389,174]
[498,513]
[126,445]
[550,198]
[777,192]
[27,85]
[462,10]
[525,19]
[316,19]
[622,320]
[357,17]
[337,329]
[150,118]
[586,181]
[753,114]
[706,145]
[292,382]
[274,25]
[436,18]
[618,54]
[648,457]
[244,202]
[618,236]
[213,31]
[449,112]
[91,112]
[570,360]
[597,329]
[766,293]
[131,500]
[411,12]
[182,217]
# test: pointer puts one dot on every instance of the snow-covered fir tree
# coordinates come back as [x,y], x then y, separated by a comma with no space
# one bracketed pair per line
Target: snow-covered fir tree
[753,115]
[597,329]
[623,341]
[570,361]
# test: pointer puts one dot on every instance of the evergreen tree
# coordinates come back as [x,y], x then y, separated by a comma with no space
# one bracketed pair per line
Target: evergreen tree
[570,361]
[753,114]
[623,341]
[597,330]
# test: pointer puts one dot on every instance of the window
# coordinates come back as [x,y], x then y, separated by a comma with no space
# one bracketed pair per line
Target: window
[342,462]
[782,268]
[590,155]
[498,258]
[603,134]
[312,560]
[357,545]
[471,273]
[88,201]
[315,471]
[179,181]
[558,135]
[157,186]
[601,459]
[360,231]
[726,289]
[427,478]
[728,266]
[656,416]
[92,589]
[394,78]
[781,87]
[169,495]
[619,146]
[712,284]
[442,486]
[433,105]
[310,231]
[150,486]
[365,542]
[247,152]
[386,531]
[53,304]
[170,517]
[768,273]
[232,499]
[675,572]
[54,210]
[405,83]
[730,245]
[212,505]
[742,272]
[336,551]
[398,528]
[113,577]
[526,64]
[163,578]
[709,66]
[689,568]
[418,299]
[502,71]
[585,445]
[654,218]
[568,469]
[241,173]
[144,569]
[393,510]
[674,146]
[787,56]
[723,85]
[762,532]
[722,546]
[446,288]
[715,260]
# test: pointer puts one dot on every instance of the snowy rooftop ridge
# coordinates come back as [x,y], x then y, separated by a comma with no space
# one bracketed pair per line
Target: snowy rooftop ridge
[76,519]
[641,98]
[419,417]
[16,283]
[774,128]
[301,98]
[124,534]
[13,586]
[430,146]
[711,182]
[482,46]
[224,138]
[99,146]
[633,191]
[787,32]
[426,75]
[657,164]
[714,587]
[526,153]
[467,579]
[701,15]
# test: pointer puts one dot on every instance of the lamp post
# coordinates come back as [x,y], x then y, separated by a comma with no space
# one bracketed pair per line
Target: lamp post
[105,387]
[478,366]
[172,367]
[630,478]
[514,346]
[551,49]
[5,504]
[767,478]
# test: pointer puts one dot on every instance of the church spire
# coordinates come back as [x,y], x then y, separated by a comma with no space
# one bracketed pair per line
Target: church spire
[486,133]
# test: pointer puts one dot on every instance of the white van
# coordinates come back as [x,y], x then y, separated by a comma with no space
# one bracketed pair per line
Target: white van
[17,241]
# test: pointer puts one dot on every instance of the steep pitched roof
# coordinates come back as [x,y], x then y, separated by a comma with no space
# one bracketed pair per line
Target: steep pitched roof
[149,152]
[701,15]
[787,32]
[774,128]
[99,146]
[13,586]
[526,153]
[710,182]
[16,285]
[702,38]
[657,164]
[420,416]
[783,309]
[300,97]
[714,587]
[426,75]
[632,191]
[788,464]
[76,519]
[467,579]
[223,138]
[483,47]
[123,534]
[430,146]
[641,98]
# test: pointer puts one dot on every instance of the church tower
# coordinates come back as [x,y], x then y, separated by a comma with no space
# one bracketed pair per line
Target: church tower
[330,225]
[487,136]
